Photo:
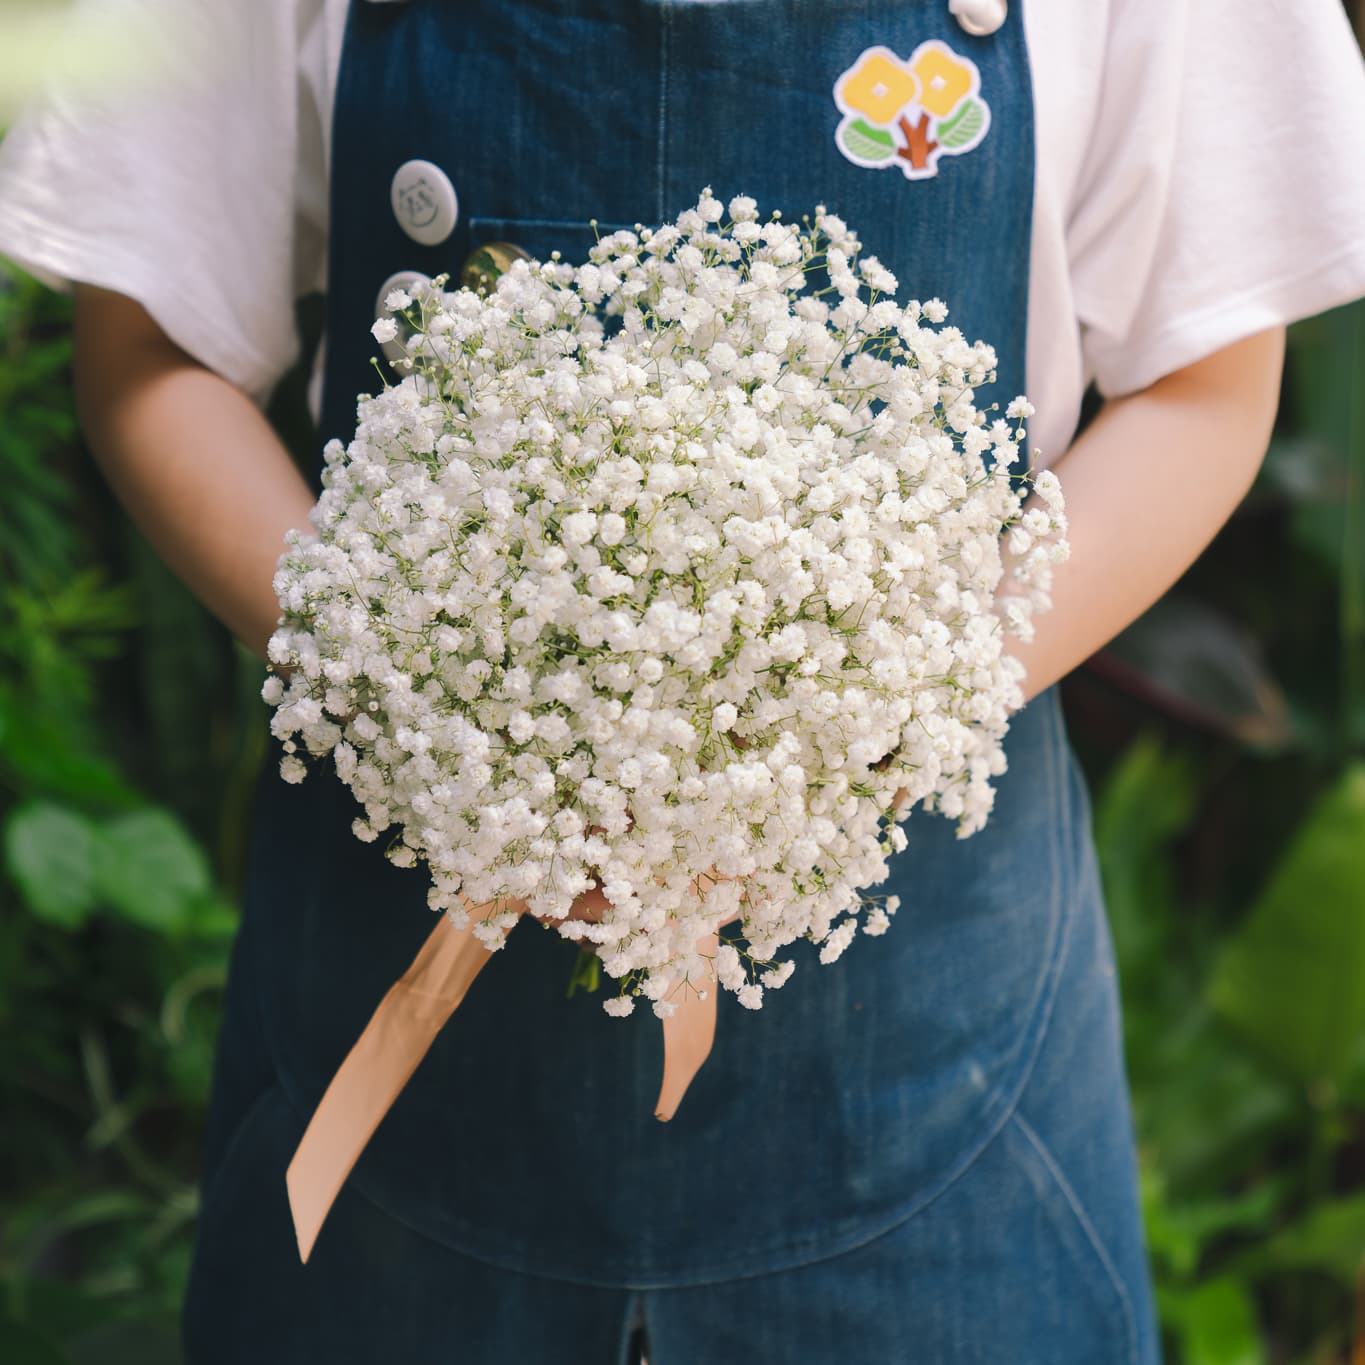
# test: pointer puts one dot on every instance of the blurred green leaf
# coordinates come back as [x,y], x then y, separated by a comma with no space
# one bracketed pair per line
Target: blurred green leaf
[129,1341]
[1147,799]
[1330,1238]
[185,667]
[151,870]
[1179,1230]
[50,853]
[1208,1110]
[213,920]
[1292,978]
[61,1311]
[191,1033]
[1216,1323]
[1353,1087]
[101,1113]
[1328,353]
[50,1223]
[1312,475]
[22,1345]
[175,1007]
[50,753]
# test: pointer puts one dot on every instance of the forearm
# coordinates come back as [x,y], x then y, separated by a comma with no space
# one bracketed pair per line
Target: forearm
[1147,487]
[197,466]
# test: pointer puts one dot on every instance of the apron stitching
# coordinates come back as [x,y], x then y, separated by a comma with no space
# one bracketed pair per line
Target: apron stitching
[1088,1227]
[210,1188]
[661,159]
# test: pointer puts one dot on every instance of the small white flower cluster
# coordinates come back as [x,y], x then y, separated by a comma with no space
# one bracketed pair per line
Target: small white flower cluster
[685,558]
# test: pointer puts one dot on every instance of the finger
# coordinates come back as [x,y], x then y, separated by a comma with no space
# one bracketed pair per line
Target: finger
[703,882]
[590,905]
[494,907]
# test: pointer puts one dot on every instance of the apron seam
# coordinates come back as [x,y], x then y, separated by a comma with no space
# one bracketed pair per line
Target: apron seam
[661,152]
[1078,1210]
[208,1191]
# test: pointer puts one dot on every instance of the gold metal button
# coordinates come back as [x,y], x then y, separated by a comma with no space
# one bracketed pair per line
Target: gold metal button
[484,264]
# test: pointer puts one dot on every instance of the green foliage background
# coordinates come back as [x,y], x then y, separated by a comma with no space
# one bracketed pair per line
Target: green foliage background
[1223,736]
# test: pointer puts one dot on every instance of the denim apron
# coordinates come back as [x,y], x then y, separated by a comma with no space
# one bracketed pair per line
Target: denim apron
[870,1117]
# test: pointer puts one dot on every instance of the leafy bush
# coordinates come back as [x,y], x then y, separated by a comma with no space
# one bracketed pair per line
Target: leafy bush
[128,739]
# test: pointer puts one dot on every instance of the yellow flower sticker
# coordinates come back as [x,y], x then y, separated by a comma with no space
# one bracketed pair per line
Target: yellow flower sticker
[877,85]
[944,79]
[910,113]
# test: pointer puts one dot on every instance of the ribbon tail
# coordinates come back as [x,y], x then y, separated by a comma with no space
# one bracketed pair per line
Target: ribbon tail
[376,1069]
[688,1035]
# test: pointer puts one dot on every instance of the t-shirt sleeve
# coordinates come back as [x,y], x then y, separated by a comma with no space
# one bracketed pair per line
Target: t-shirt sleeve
[1223,189]
[172,180]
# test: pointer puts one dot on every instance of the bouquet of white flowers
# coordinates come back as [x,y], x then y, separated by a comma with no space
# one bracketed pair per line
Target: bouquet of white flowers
[687,557]
[684,557]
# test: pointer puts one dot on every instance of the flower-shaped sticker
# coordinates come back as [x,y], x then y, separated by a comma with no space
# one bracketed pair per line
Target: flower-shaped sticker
[910,113]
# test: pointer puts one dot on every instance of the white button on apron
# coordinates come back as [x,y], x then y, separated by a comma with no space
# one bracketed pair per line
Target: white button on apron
[424,202]
[980,18]
[396,349]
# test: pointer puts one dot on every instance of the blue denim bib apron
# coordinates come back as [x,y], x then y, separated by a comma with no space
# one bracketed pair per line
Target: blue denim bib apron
[863,1090]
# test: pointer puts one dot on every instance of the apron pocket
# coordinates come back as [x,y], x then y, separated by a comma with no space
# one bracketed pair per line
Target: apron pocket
[541,236]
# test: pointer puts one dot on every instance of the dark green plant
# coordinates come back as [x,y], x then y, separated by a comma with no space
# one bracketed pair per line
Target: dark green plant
[117,924]
[1247,1067]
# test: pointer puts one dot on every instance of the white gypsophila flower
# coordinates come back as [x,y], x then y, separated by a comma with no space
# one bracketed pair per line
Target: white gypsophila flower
[661,553]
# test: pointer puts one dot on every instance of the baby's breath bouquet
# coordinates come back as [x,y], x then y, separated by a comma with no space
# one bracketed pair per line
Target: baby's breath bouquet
[684,558]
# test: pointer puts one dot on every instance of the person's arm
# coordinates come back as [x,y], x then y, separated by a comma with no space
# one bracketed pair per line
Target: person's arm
[1147,486]
[191,457]
[199,469]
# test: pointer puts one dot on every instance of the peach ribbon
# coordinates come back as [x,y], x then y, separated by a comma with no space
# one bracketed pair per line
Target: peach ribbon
[402,1029]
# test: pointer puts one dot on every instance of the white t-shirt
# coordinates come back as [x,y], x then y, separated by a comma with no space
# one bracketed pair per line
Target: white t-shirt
[1200,176]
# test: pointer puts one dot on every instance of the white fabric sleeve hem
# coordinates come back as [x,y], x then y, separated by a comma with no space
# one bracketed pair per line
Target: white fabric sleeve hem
[1323,285]
[60,261]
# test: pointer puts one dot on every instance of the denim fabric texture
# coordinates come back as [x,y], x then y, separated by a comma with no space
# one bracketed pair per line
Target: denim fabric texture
[920,1153]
